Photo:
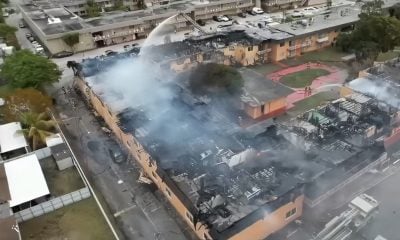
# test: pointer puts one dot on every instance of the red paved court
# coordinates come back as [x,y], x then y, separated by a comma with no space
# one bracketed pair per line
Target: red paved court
[336,76]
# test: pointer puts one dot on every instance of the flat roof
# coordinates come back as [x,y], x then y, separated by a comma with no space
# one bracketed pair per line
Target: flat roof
[363,204]
[320,22]
[53,140]
[25,179]
[260,90]
[10,137]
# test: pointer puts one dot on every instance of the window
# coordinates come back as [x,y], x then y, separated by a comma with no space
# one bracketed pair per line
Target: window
[262,108]
[291,213]
[250,48]
[129,143]
[189,216]
[282,44]
[154,175]
[291,43]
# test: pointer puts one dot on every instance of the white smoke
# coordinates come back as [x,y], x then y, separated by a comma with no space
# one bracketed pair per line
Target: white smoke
[379,88]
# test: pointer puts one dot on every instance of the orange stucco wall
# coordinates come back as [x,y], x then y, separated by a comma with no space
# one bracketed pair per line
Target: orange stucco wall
[275,221]
[271,106]
[245,55]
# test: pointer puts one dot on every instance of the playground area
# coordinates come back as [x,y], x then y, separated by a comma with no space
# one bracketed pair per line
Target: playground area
[308,79]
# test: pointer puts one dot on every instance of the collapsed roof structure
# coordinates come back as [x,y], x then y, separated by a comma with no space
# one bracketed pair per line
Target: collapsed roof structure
[226,175]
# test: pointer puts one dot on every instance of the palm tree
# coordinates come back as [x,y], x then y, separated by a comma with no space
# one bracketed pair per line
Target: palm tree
[37,126]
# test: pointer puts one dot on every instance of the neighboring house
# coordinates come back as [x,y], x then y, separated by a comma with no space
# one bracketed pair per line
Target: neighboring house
[12,141]
[263,98]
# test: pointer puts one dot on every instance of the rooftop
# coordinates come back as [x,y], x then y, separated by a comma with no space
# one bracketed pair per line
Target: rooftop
[340,16]
[33,185]
[200,143]
[11,137]
[259,90]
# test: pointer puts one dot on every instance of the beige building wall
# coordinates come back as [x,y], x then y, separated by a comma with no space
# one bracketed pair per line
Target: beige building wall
[245,55]
[57,44]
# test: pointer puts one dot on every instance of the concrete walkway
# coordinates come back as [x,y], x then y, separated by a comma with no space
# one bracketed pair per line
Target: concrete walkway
[336,76]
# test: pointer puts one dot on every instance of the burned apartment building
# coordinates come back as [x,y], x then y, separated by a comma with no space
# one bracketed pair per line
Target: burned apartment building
[213,171]
[226,179]
[345,138]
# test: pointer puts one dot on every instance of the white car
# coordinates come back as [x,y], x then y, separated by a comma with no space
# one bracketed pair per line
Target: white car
[257,10]
[223,18]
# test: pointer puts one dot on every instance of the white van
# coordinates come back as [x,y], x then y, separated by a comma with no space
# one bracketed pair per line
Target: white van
[257,10]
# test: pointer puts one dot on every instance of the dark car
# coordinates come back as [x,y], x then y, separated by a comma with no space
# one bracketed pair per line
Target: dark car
[62,54]
[216,18]
[115,152]
[21,25]
[242,15]
[201,22]
[110,53]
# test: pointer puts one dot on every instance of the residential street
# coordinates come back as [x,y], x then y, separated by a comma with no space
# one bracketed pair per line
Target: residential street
[138,212]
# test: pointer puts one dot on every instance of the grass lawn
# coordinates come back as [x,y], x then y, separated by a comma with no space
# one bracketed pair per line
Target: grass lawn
[329,54]
[265,69]
[303,78]
[387,56]
[311,102]
[60,182]
[81,220]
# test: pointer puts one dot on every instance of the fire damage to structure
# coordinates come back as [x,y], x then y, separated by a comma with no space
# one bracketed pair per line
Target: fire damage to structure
[225,179]
[345,137]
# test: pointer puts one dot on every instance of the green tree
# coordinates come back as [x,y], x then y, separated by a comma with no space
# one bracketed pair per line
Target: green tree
[92,9]
[372,8]
[394,11]
[372,35]
[37,127]
[71,39]
[215,78]
[24,69]
[24,100]
[8,34]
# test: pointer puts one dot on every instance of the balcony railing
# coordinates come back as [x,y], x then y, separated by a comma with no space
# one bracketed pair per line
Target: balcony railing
[264,51]
[117,34]
[294,47]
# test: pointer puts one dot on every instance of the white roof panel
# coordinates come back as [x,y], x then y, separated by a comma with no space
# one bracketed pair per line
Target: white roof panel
[53,140]
[362,204]
[10,137]
[25,179]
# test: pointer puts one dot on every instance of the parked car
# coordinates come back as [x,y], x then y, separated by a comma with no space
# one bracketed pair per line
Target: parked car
[31,39]
[110,53]
[257,10]
[28,35]
[21,24]
[201,22]
[251,13]
[297,15]
[215,18]
[62,54]
[242,14]
[227,17]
